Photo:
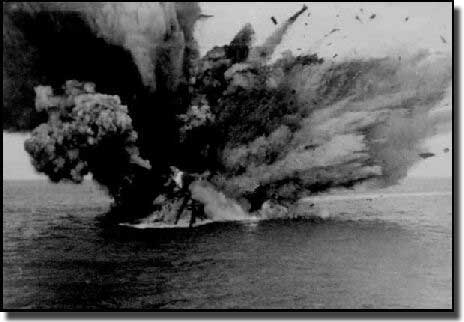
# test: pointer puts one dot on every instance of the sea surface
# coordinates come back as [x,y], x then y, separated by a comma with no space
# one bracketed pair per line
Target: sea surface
[386,250]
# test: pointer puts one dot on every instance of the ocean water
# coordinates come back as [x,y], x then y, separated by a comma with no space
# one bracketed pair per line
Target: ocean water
[388,250]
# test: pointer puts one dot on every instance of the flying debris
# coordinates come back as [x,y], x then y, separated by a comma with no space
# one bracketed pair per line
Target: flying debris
[264,51]
[329,44]
[399,58]
[359,19]
[298,13]
[310,146]
[337,15]
[362,10]
[306,23]
[446,150]
[331,32]
[373,16]
[426,155]
[205,16]
[406,19]
[334,55]
[274,20]
[443,40]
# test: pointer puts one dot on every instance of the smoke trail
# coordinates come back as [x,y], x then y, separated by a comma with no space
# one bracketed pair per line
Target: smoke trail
[264,52]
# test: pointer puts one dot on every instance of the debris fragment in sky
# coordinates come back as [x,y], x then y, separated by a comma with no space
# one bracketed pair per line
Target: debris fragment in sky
[426,155]
[331,32]
[204,16]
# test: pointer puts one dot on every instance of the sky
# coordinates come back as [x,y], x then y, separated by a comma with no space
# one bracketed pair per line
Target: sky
[388,33]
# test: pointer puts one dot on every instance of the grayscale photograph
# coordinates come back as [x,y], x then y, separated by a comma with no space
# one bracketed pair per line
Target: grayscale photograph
[200,156]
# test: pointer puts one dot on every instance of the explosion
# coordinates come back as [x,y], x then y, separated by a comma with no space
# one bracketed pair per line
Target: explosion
[265,130]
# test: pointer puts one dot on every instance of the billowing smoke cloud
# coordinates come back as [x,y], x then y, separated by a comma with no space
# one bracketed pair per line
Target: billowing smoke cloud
[265,130]
[141,52]
[123,47]
[301,125]
[343,123]
[88,132]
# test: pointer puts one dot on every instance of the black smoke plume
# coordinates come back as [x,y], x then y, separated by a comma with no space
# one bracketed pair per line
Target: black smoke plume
[265,129]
